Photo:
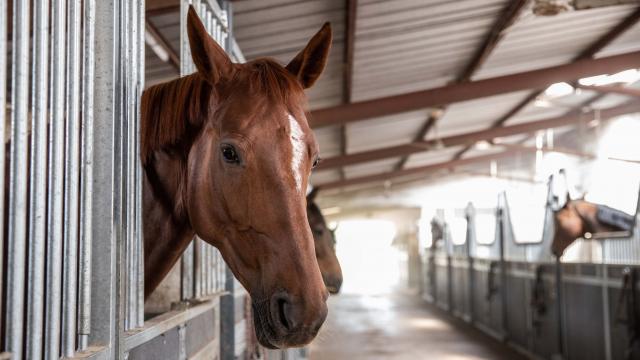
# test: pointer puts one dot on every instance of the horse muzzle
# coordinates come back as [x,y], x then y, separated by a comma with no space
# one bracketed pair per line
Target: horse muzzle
[282,322]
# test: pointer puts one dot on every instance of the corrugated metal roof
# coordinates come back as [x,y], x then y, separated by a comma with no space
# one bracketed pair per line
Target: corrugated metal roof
[410,45]
[535,42]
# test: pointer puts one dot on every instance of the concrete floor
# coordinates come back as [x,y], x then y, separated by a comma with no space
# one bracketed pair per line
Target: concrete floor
[398,326]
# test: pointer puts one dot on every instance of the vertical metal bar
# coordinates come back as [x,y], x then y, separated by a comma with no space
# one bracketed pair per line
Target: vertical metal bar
[123,164]
[18,185]
[197,249]
[86,185]
[131,161]
[38,180]
[56,181]
[3,102]
[227,319]
[72,172]
[105,296]
[186,281]
[140,87]
[562,349]
[605,306]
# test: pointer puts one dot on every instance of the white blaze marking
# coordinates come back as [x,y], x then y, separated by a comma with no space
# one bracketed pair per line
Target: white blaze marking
[298,149]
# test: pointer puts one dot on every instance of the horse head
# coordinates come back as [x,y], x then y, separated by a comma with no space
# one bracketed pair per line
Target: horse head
[568,226]
[245,155]
[325,245]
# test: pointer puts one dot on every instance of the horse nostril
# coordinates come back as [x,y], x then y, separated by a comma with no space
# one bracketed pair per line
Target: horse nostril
[283,311]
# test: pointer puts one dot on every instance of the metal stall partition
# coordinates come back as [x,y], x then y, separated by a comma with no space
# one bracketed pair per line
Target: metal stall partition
[489,285]
[605,292]
[532,306]
[71,179]
[459,264]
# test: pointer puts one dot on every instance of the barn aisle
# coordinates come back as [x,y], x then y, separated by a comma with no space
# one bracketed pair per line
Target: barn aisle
[398,326]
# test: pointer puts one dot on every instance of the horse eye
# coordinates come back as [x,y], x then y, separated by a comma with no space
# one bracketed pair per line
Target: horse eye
[229,154]
[316,162]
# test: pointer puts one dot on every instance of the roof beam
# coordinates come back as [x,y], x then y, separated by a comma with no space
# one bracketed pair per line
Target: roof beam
[473,137]
[158,7]
[610,89]
[422,170]
[174,58]
[343,114]
[351,7]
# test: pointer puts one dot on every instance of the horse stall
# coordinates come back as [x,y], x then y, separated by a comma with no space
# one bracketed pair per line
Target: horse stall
[543,307]
[72,270]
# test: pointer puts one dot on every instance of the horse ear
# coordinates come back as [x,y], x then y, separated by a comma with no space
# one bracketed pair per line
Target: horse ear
[312,195]
[210,59]
[309,63]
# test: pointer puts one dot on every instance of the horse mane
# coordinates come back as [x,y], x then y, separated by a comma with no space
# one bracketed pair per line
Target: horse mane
[169,111]
[168,108]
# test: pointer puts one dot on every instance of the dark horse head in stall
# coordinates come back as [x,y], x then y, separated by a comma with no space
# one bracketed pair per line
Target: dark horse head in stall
[227,153]
[580,219]
[325,244]
[437,231]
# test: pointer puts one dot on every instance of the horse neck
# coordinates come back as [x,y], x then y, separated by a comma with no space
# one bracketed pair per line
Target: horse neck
[588,213]
[167,231]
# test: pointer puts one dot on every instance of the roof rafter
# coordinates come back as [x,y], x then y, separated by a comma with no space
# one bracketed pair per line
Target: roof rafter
[362,110]
[473,137]
[351,7]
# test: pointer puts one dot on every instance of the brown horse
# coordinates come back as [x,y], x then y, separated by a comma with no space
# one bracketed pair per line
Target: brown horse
[325,244]
[580,218]
[227,153]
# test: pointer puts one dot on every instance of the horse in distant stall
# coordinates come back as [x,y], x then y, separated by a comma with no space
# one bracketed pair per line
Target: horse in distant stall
[227,153]
[325,243]
[437,231]
[580,219]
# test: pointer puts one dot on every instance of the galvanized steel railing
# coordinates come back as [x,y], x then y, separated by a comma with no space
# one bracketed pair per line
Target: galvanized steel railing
[53,181]
[74,253]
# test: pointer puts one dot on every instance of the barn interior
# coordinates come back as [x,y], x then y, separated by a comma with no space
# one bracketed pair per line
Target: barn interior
[428,108]
[445,128]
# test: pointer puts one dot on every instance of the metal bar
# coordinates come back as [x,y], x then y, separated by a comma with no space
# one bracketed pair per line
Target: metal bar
[138,175]
[448,94]
[86,185]
[186,268]
[562,348]
[133,117]
[3,102]
[56,181]
[130,256]
[167,321]
[105,296]
[605,305]
[71,191]
[38,180]
[16,250]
